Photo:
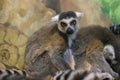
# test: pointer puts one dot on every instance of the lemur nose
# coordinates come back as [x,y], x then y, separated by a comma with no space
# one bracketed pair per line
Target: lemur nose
[70,31]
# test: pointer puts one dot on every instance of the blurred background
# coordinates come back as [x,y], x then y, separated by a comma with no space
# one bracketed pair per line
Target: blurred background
[19,19]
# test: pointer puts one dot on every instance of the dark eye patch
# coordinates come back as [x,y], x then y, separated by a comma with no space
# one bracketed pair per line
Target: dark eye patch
[63,24]
[73,22]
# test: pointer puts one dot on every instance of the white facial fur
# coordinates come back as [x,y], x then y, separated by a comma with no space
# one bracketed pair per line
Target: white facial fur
[67,21]
[109,52]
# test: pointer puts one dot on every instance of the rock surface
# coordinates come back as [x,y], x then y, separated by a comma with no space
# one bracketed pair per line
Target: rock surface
[26,15]
[12,47]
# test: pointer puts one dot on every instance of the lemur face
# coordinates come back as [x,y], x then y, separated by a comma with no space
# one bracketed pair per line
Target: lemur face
[68,25]
[109,52]
[68,22]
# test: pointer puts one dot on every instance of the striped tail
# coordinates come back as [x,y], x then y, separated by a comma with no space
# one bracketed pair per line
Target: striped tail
[81,75]
[6,74]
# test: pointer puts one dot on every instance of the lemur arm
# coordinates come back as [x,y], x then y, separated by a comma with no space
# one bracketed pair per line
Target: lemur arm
[59,62]
[69,58]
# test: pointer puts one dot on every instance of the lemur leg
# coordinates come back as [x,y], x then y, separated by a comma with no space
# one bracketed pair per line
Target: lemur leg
[101,65]
[59,62]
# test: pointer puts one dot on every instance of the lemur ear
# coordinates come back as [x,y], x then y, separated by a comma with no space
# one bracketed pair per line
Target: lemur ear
[55,18]
[79,14]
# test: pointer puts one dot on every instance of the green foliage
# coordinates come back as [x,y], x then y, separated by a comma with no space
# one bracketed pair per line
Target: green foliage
[111,8]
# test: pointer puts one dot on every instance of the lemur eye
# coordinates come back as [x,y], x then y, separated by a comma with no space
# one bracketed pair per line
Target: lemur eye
[73,22]
[63,24]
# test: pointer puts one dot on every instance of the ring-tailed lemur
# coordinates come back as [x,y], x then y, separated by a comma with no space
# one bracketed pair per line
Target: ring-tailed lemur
[41,62]
[7,74]
[68,24]
[81,75]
